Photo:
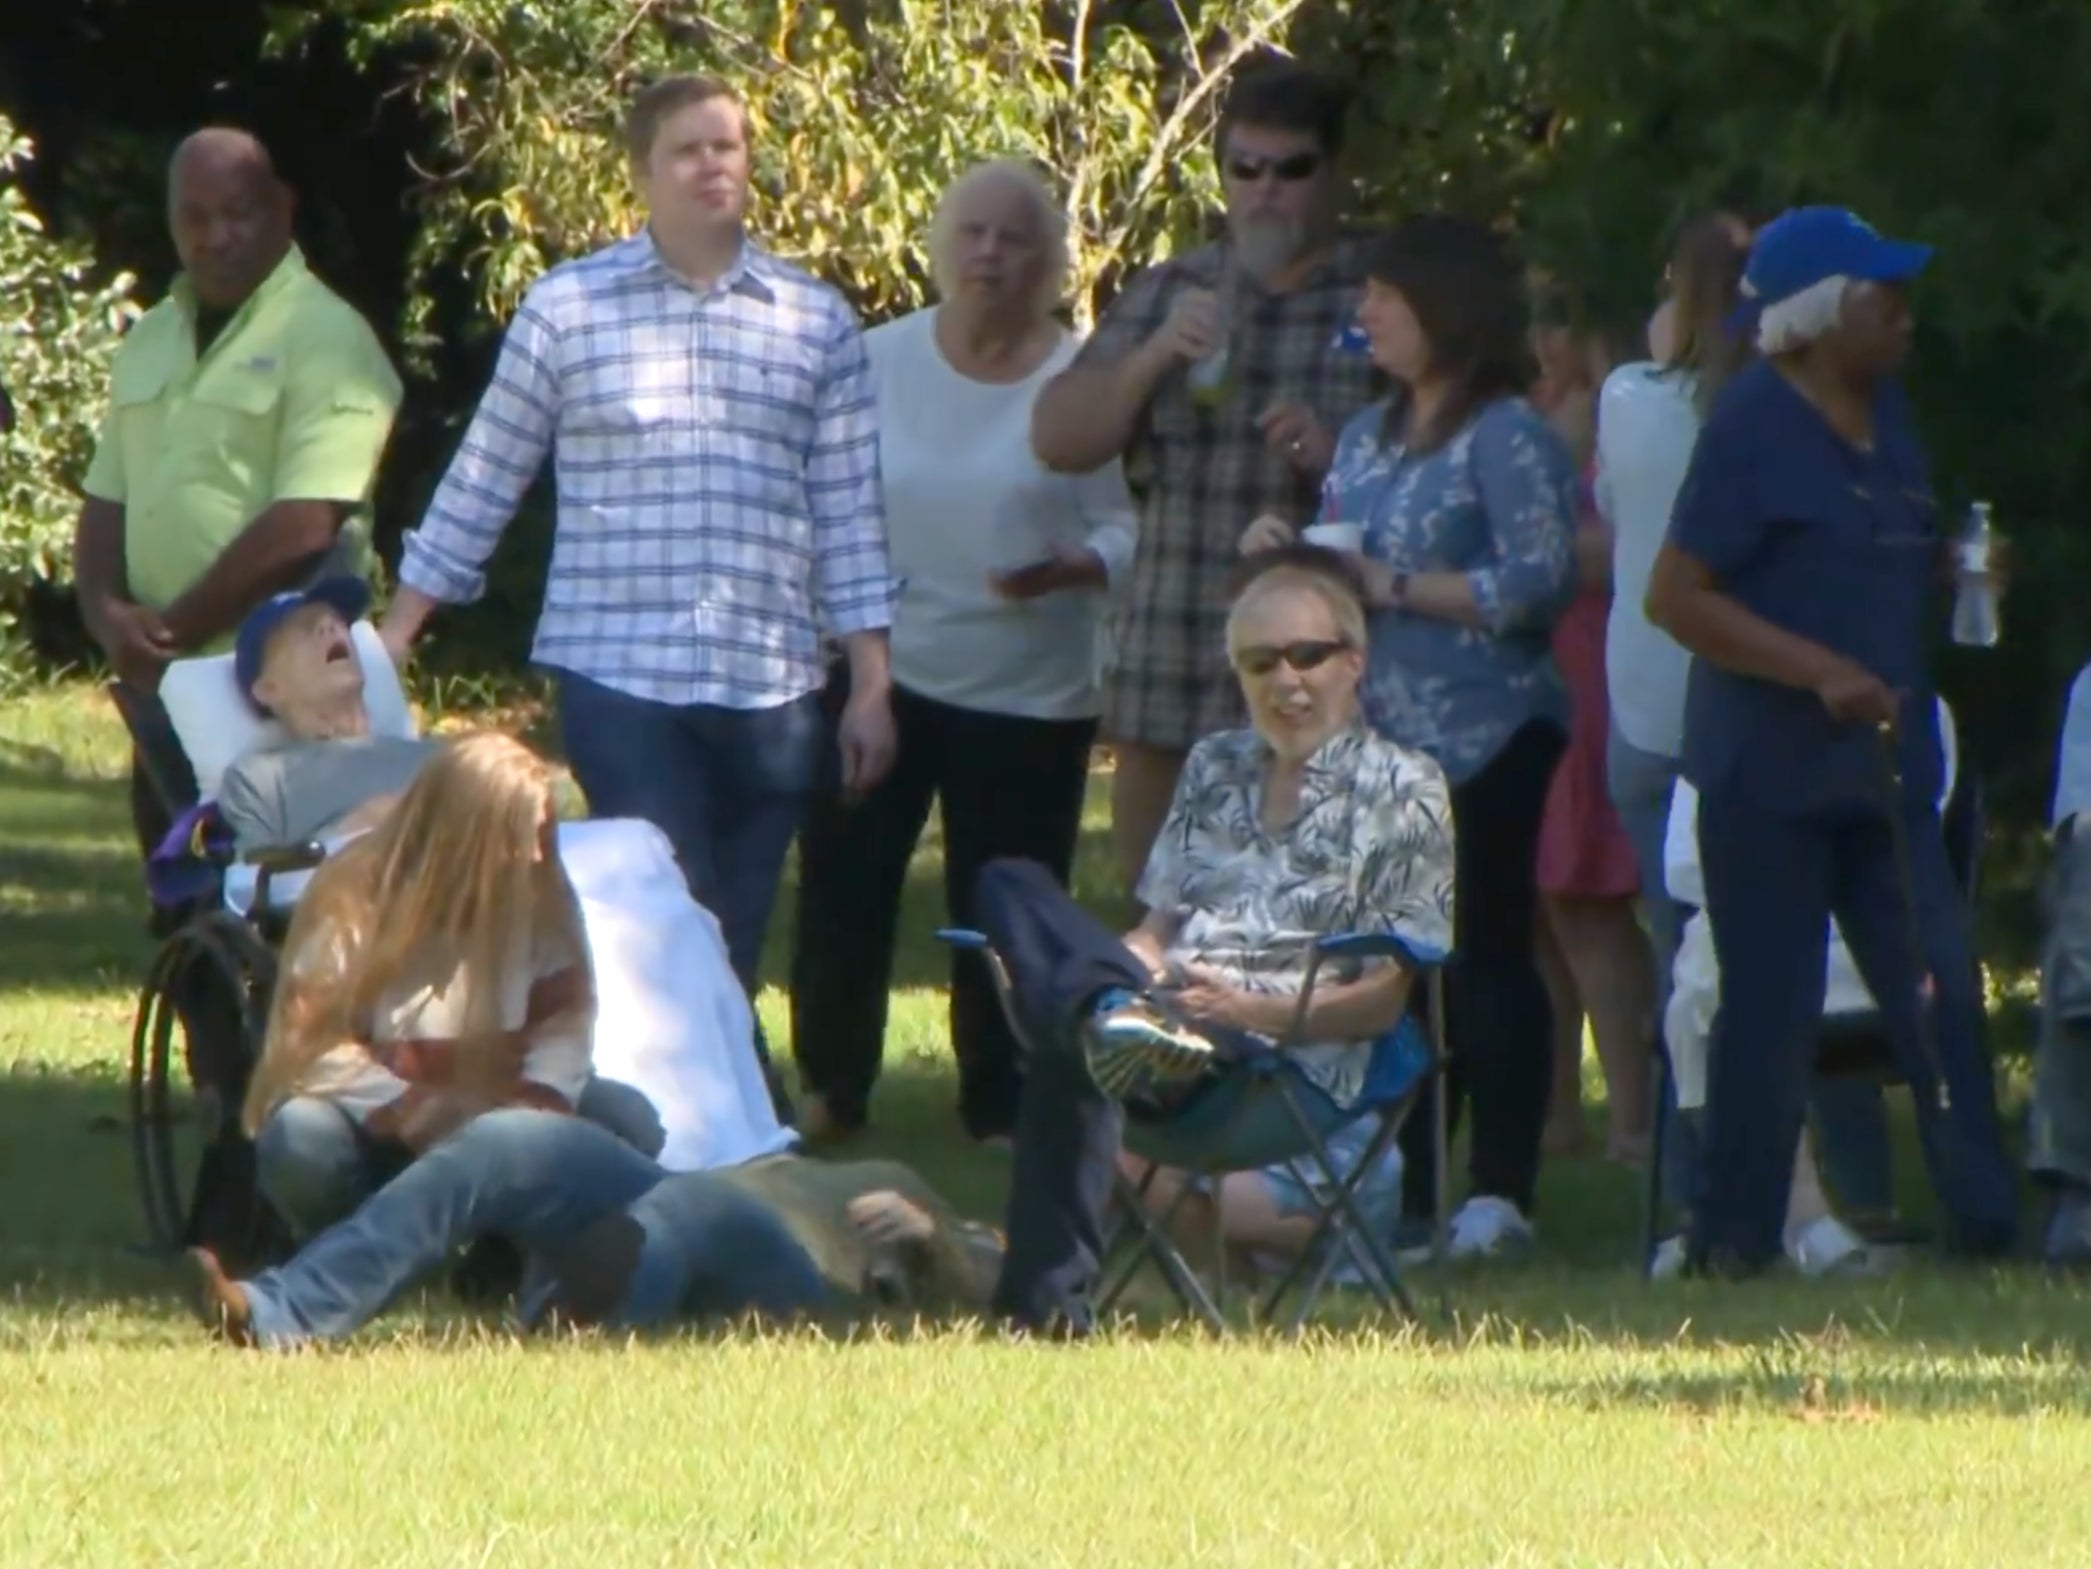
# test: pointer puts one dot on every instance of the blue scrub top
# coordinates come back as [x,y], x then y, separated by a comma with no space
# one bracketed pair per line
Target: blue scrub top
[1834,544]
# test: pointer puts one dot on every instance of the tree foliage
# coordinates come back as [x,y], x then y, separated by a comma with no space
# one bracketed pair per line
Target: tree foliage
[860,117]
[1594,127]
[59,327]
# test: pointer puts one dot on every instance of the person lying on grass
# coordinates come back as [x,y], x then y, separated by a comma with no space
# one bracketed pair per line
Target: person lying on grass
[296,661]
[435,969]
[616,1240]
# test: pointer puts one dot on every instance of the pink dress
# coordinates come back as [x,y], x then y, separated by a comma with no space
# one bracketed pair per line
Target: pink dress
[1583,852]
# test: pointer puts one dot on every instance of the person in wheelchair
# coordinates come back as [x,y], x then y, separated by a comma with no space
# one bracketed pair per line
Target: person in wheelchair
[1303,825]
[435,969]
[295,659]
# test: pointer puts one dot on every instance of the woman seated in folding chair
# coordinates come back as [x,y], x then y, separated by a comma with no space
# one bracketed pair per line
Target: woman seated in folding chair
[435,968]
[1304,826]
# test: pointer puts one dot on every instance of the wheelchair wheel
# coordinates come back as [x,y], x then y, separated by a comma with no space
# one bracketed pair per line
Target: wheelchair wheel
[208,989]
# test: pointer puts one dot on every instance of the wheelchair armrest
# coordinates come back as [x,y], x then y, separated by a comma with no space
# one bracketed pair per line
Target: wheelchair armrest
[279,860]
[963,937]
[1380,945]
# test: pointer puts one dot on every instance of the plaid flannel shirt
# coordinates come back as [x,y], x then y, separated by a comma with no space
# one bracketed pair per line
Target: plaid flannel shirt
[1203,475]
[715,453]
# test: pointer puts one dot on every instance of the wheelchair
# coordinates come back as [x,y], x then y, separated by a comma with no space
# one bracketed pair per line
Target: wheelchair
[201,1016]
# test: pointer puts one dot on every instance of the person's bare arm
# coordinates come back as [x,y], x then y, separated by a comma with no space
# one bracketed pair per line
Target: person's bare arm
[1593,555]
[278,550]
[1363,1009]
[1090,413]
[1149,941]
[98,570]
[1087,415]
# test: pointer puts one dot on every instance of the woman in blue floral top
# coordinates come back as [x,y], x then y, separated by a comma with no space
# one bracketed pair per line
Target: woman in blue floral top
[1465,501]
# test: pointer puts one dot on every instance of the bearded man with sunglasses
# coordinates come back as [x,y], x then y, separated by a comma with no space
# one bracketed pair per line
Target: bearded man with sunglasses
[1275,299]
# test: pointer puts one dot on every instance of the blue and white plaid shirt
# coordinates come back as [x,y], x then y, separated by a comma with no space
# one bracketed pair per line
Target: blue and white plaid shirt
[716,458]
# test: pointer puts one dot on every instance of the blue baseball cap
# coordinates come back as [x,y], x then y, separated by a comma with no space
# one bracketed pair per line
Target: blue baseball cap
[348,595]
[1800,248]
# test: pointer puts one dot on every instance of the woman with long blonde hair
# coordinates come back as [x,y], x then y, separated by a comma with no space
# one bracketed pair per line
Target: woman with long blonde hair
[436,969]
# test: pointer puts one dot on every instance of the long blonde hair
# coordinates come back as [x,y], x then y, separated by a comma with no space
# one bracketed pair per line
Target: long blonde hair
[452,882]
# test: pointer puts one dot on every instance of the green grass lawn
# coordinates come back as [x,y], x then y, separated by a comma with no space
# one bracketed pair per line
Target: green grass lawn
[1557,1413]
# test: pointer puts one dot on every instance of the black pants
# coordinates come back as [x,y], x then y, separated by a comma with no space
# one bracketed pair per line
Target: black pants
[1499,1023]
[1007,786]
[1060,958]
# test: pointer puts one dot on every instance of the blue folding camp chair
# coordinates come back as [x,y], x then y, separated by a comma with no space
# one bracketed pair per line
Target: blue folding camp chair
[1404,1063]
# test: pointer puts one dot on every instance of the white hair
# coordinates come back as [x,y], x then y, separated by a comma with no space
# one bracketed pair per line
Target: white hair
[1799,319]
[1013,174]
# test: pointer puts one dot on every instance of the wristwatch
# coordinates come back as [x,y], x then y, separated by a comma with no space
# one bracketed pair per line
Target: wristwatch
[1398,591]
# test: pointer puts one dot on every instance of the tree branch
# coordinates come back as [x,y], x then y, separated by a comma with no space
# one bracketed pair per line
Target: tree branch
[1161,153]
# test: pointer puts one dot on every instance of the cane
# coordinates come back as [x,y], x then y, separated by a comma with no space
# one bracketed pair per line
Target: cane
[1913,927]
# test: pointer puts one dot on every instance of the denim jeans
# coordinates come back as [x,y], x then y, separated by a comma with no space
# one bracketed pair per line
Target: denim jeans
[728,786]
[535,1177]
[710,1249]
[315,1165]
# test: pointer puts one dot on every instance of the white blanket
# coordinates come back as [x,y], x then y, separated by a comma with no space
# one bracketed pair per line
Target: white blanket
[672,1020]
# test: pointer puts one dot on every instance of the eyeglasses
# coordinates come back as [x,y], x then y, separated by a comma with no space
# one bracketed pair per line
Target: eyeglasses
[1291,169]
[1261,659]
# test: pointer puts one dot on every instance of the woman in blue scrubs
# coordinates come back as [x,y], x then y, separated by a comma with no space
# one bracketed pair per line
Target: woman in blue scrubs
[1800,570]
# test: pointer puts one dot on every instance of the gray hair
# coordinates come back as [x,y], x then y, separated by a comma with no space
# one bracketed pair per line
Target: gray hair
[1287,578]
[1014,174]
[1800,319]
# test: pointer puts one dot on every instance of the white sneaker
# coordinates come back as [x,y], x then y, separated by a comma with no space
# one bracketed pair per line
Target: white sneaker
[1826,1246]
[1668,1262]
[1489,1227]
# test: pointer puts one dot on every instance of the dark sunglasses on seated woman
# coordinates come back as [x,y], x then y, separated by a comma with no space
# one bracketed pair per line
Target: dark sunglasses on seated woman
[1260,659]
[1291,169]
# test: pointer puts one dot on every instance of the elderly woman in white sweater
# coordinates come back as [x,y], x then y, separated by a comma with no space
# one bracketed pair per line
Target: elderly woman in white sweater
[1006,568]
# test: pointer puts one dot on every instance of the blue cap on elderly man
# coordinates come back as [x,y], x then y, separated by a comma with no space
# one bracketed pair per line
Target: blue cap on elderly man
[1801,248]
[348,595]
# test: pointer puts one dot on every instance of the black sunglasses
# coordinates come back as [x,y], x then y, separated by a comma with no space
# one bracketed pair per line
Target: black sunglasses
[1291,169]
[1261,659]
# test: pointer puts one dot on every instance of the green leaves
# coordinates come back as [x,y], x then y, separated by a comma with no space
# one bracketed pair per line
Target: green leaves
[862,115]
[59,327]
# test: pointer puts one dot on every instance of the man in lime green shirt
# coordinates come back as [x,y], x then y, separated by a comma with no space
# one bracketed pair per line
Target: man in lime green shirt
[247,415]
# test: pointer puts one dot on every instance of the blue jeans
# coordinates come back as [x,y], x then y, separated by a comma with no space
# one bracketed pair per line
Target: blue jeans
[728,786]
[535,1177]
[709,1249]
[315,1166]
[1850,1116]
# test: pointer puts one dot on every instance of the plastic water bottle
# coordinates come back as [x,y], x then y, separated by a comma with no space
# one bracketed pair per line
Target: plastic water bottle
[1975,619]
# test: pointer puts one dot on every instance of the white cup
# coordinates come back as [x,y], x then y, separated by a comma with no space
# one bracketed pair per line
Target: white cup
[1346,537]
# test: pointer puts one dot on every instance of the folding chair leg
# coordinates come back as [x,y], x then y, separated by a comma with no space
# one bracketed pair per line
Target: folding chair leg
[1151,1243]
[1341,1228]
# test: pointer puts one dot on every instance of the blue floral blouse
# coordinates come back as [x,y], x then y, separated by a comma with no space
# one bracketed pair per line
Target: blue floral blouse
[1496,502]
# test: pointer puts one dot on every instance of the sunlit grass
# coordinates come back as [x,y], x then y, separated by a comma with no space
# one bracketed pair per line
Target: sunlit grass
[1561,1413]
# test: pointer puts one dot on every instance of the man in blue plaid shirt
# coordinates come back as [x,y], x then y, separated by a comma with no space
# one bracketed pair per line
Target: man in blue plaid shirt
[708,412]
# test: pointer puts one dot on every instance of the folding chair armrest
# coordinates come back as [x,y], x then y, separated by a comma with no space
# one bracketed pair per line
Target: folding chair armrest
[1381,945]
[962,937]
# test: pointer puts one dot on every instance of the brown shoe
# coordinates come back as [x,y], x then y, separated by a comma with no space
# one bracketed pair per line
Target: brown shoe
[220,1301]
